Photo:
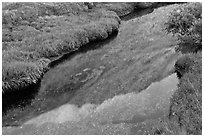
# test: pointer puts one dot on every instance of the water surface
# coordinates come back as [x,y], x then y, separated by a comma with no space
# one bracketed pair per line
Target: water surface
[151,103]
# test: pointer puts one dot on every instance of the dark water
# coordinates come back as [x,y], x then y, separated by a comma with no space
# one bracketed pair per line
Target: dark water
[21,98]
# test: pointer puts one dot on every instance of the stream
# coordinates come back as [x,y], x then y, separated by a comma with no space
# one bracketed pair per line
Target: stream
[151,103]
[130,108]
[69,92]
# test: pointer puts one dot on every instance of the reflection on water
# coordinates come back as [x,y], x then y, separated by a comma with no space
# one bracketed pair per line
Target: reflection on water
[110,117]
[129,108]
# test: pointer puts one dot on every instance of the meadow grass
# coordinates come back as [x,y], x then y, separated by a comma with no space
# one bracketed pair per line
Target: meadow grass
[185,113]
[186,103]
[47,30]
[185,23]
[19,74]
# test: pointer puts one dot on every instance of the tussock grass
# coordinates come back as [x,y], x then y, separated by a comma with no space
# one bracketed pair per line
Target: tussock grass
[33,31]
[19,74]
[15,54]
[190,62]
[185,116]
[18,13]
[186,103]
[185,23]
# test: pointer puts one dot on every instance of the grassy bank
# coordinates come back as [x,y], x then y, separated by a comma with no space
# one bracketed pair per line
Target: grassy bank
[185,116]
[186,103]
[34,32]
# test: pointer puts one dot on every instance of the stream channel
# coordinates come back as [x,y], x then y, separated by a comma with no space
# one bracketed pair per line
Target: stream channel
[41,107]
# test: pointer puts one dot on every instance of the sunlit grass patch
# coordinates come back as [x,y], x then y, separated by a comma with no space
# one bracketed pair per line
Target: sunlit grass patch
[16,75]
[32,31]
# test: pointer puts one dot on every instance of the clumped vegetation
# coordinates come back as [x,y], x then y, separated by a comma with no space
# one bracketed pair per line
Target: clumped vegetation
[17,75]
[35,32]
[186,24]
[185,115]
[186,103]
[190,62]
